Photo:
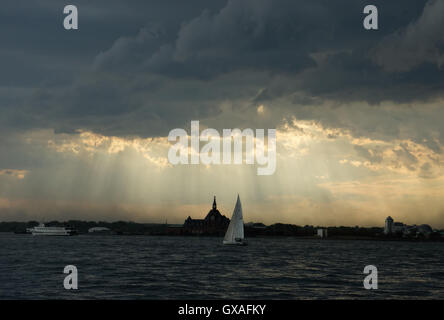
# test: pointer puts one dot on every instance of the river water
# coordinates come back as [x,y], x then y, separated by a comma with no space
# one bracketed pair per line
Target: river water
[148,267]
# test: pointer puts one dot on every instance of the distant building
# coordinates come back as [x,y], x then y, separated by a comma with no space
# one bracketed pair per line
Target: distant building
[322,233]
[255,225]
[392,227]
[175,229]
[214,223]
[388,228]
[398,227]
[99,230]
[410,230]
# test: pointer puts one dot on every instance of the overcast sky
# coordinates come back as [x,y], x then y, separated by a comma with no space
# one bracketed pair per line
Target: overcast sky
[85,114]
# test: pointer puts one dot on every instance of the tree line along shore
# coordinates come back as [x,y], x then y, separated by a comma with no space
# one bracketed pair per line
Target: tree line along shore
[251,230]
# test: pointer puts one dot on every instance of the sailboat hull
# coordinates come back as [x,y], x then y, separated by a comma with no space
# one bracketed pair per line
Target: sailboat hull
[235,243]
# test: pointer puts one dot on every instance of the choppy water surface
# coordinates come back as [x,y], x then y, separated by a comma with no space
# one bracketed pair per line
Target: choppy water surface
[144,267]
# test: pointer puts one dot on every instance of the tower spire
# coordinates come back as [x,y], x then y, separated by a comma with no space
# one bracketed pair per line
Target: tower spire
[214,203]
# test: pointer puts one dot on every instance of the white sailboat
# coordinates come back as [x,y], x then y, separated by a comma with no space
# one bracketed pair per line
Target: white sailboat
[235,231]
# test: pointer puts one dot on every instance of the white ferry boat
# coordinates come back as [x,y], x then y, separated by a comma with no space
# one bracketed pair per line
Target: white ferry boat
[42,230]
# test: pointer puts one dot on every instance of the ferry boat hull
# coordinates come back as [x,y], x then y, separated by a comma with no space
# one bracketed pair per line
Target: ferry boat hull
[53,233]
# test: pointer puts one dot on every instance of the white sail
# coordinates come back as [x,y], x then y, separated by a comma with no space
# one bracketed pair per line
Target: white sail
[235,231]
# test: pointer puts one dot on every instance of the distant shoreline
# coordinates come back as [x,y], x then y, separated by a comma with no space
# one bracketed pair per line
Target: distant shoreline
[251,230]
[333,238]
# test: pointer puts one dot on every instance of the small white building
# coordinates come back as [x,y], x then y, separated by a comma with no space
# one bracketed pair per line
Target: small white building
[322,233]
[99,230]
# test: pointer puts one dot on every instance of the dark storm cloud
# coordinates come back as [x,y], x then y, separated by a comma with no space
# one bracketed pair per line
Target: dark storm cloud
[421,41]
[264,35]
[35,45]
[144,67]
